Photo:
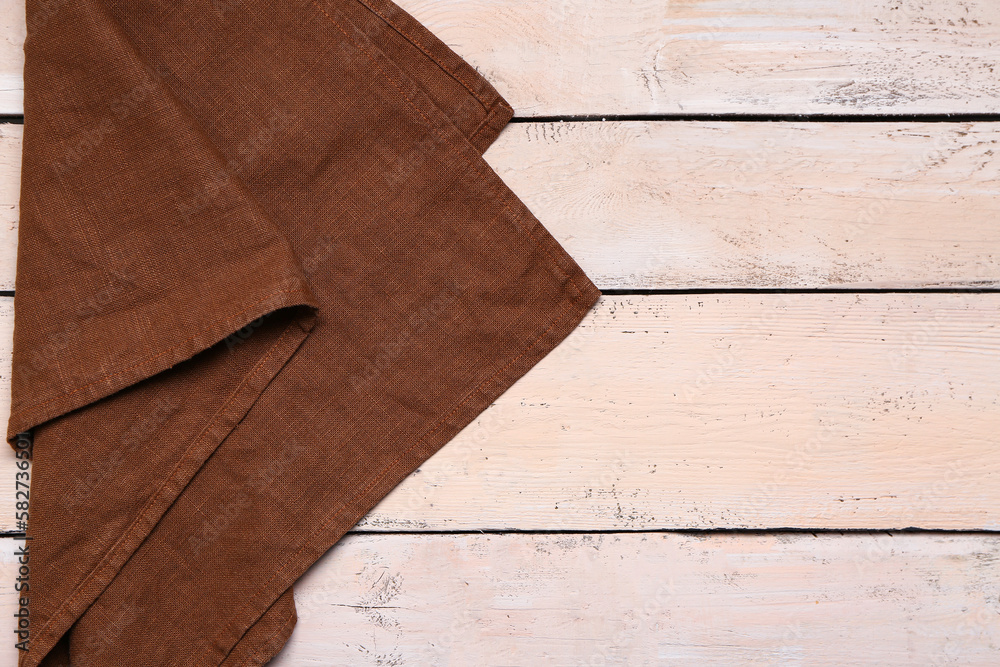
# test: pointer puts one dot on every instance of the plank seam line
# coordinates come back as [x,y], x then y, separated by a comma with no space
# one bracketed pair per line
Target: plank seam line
[802,290]
[732,117]
[772,290]
[767,118]
[684,531]
[675,531]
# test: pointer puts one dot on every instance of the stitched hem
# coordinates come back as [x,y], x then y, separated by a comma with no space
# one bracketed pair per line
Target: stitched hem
[435,119]
[496,120]
[436,50]
[26,418]
[462,414]
[208,439]
[252,652]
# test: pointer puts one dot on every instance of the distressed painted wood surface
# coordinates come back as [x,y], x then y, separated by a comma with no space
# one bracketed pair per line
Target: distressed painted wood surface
[12,32]
[724,204]
[737,411]
[8,462]
[10,192]
[651,599]
[550,57]
[640,599]
[728,411]
[731,204]
[700,411]
[568,57]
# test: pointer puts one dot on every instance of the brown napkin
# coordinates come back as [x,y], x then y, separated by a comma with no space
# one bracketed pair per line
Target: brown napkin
[263,273]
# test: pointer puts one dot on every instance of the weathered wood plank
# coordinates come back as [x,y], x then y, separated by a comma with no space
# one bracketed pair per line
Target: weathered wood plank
[639,599]
[557,57]
[12,32]
[650,599]
[553,57]
[10,193]
[726,411]
[8,462]
[9,597]
[736,411]
[726,204]
[676,205]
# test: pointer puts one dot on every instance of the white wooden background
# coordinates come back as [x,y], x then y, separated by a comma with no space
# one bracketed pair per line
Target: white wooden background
[629,501]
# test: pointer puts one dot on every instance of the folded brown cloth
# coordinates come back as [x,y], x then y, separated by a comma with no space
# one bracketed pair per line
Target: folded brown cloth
[263,273]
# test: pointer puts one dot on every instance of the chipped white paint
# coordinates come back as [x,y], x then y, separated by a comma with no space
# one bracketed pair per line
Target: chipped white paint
[654,205]
[764,411]
[830,600]
[651,599]
[8,462]
[557,57]
[736,411]
[728,204]
[11,92]
[12,32]
[10,193]
[726,411]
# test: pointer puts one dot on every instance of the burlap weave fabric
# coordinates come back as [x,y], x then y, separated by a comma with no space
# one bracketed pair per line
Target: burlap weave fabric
[263,274]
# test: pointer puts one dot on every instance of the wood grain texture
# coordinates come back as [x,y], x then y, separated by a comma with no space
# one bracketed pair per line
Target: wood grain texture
[650,599]
[12,32]
[8,462]
[736,411]
[692,204]
[639,599]
[10,193]
[725,411]
[731,204]
[728,411]
[558,57]
[702,411]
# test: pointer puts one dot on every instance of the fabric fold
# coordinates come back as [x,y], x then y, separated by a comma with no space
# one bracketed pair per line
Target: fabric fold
[128,213]
[263,274]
